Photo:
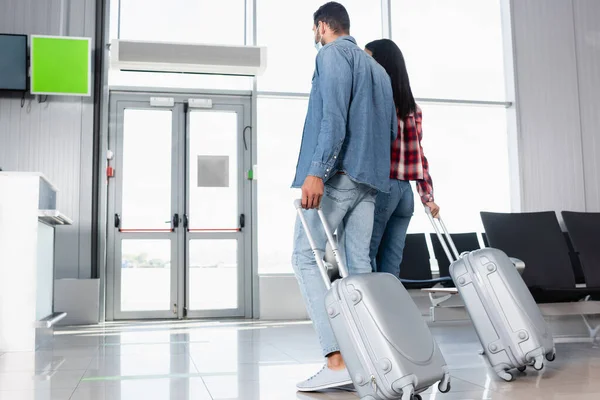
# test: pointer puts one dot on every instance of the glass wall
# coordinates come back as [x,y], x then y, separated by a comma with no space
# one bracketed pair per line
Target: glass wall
[180,21]
[453,50]
[285,28]
[183,21]
[467,150]
[280,122]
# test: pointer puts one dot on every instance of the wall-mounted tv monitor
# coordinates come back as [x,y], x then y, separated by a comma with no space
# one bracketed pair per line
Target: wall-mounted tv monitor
[13,62]
[61,65]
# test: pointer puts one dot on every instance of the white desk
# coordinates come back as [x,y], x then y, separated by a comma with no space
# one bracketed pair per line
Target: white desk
[27,212]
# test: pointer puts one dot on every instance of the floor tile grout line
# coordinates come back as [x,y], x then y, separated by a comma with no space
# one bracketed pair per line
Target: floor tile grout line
[198,371]
[453,378]
[141,377]
[85,371]
[287,354]
[296,359]
[207,389]
[78,383]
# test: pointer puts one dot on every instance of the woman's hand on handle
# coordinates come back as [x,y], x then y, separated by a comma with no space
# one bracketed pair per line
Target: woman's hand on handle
[434,208]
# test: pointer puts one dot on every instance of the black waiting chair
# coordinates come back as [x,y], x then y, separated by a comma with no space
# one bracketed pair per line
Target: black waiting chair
[537,239]
[463,241]
[486,243]
[415,269]
[575,261]
[584,230]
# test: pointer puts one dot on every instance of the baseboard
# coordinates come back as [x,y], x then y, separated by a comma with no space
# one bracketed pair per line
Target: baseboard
[280,298]
[79,298]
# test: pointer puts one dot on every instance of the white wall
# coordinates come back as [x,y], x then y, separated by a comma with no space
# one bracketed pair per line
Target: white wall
[55,137]
[557,76]
[280,298]
[587,42]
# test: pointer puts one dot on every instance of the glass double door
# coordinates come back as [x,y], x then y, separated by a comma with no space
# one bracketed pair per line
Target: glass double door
[180,199]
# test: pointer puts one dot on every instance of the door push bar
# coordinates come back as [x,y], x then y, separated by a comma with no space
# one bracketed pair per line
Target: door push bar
[242,224]
[175,224]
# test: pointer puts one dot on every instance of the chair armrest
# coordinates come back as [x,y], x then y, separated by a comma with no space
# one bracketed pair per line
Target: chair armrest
[440,290]
[519,264]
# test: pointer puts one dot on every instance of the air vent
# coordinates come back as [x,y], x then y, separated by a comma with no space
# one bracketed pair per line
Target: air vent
[129,55]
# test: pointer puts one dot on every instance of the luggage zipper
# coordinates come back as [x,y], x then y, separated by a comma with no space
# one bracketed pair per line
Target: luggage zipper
[362,350]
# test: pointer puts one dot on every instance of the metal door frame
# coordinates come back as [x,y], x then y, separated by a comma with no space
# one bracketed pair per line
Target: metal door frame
[241,109]
[240,103]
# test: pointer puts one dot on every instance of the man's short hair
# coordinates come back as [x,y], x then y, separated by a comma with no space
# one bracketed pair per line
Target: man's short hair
[335,15]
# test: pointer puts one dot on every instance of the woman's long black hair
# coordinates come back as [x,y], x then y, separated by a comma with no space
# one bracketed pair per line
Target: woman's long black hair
[389,56]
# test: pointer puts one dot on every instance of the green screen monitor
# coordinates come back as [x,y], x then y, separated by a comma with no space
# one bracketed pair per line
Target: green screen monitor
[61,65]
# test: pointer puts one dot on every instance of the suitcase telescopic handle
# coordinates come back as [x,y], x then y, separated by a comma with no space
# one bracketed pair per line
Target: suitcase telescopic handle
[519,264]
[318,253]
[448,242]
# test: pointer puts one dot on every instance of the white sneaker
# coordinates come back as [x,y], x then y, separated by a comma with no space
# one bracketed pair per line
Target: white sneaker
[325,379]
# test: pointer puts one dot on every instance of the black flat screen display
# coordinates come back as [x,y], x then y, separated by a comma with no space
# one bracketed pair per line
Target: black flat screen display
[13,62]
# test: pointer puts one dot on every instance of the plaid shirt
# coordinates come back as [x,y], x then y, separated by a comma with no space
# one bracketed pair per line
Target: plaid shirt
[408,160]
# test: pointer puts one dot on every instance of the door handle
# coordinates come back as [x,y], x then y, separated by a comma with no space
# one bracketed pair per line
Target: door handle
[117,221]
[175,221]
[185,221]
[242,221]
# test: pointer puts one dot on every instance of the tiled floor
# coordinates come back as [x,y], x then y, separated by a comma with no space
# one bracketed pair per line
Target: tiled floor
[252,360]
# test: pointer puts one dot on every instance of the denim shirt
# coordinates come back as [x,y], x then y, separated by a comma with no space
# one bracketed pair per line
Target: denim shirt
[351,119]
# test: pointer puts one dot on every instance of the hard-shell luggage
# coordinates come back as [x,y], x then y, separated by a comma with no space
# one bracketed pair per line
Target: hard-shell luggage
[388,348]
[509,323]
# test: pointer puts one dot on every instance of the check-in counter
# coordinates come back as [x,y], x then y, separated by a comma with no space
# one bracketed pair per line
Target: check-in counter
[28,219]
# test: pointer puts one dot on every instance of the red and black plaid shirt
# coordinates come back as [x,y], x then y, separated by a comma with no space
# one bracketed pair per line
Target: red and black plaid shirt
[408,160]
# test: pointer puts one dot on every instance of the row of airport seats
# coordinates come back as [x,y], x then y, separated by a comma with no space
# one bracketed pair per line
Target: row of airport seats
[559,266]
[555,271]
[415,270]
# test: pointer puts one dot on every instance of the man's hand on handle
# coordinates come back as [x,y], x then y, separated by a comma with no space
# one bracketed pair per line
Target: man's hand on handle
[312,192]
[434,208]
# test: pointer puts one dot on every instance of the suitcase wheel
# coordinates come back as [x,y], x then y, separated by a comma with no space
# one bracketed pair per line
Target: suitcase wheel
[408,393]
[551,357]
[522,369]
[507,376]
[442,389]
[417,397]
[538,365]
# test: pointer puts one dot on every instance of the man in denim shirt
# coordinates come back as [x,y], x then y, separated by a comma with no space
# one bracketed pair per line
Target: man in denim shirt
[344,161]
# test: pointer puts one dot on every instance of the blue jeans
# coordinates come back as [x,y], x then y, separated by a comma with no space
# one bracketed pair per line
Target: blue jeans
[349,207]
[393,212]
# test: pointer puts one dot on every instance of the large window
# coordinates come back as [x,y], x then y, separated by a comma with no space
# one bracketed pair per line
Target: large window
[285,27]
[453,48]
[454,51]
[280,124]
[182,21]
[467,150]
[179,21]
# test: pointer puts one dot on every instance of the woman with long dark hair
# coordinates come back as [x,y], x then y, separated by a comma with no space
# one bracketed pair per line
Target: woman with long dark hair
[394,210]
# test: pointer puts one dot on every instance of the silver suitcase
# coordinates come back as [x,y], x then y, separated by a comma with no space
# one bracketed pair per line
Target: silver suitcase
[509,323]
[388,348]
